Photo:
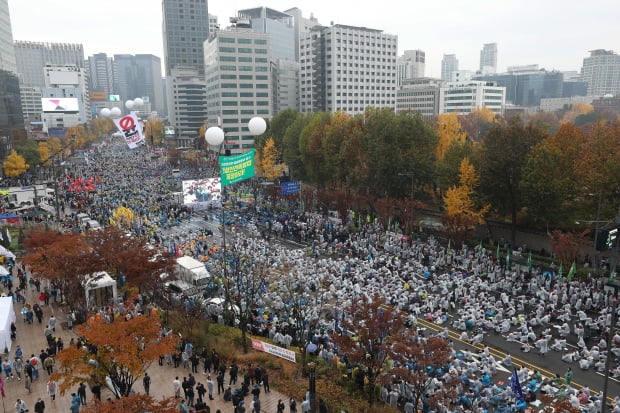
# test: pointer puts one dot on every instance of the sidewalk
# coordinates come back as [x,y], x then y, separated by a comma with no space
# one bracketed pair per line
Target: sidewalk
[31,339]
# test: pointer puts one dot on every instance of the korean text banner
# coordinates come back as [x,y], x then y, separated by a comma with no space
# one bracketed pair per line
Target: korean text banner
[237,168]
[131,129]
[274,350]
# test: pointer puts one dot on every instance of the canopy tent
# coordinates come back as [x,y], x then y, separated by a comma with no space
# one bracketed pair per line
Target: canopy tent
[100,288]
[7,317]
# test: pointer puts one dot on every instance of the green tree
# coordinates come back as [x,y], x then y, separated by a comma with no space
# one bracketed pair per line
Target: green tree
[277,128]
[30,151]
[14,165]
[550,183]
[506,147]
[447,171]
[311,148]
[292,150]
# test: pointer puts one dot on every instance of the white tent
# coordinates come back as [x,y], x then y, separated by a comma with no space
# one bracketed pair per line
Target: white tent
[6,253]
[100,288]
[7,316]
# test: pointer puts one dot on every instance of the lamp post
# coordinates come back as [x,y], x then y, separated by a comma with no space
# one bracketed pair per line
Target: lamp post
[215,136]
[615,284]
[312,386]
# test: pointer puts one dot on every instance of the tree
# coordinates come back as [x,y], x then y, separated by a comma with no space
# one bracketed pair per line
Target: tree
[44,153]
[375,330]
[121,351]
[14,165]
[269,165]
[567,245]
[154,132]
[418,361]
[29,150]
[64,258]
[278,126]
[292,150]
[447,171]
[101,126]
[505,151]
[311,148]
[577,110]
[448,130]
[550,183]
[476,123]
[137,402]
[461,212]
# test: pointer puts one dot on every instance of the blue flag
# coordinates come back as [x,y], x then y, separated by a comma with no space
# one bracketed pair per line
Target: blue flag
[515,386]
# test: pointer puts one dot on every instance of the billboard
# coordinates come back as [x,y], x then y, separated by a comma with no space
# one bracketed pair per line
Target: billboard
[202,193]
[114,98]
[60,105]
[169,130]
[98,96]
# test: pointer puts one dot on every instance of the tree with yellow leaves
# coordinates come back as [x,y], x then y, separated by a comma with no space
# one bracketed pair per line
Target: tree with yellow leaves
[461,214]
[449,130]
[122,216]
[14,165]
[268,165]
[44,153]
[154,132]
[578,109]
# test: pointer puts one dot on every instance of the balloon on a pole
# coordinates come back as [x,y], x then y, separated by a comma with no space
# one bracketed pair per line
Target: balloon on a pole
[104,113]
[129,104]
[257,126]
[214,136]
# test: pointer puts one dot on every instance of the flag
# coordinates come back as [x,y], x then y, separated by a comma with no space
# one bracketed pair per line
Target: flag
[561,270]
[263,287]
[480,249]
[515,386]
[449,251]
[529,261]
[497,252]
[571,272]
[2,388]
[508,258]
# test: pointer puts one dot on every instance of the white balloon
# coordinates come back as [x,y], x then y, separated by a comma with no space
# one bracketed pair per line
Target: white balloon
[115,112]
[214,136]
[257,126]
[129,104]
[138,102]
[104,113]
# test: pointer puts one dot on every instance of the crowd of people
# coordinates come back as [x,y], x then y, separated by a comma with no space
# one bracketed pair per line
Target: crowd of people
[463,288]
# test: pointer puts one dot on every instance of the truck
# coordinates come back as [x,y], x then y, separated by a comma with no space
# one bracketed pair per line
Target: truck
[192,272]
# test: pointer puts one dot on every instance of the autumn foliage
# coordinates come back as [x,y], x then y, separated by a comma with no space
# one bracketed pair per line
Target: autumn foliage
[137,402]
[121,350]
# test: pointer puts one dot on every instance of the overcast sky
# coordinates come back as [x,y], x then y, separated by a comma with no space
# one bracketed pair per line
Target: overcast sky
[556,34]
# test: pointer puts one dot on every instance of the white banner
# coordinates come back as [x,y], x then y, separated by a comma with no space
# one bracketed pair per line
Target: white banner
[131,129]
[274,350]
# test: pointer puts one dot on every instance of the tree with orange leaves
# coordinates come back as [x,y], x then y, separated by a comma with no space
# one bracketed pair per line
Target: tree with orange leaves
[66,259]
[121,351]
[134,403]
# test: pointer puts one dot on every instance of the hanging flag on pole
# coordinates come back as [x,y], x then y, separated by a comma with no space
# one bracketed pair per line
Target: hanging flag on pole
[508,258]
[561,270]
[497,252]
[529,261]
[449,251]
[515,386]
[571,272]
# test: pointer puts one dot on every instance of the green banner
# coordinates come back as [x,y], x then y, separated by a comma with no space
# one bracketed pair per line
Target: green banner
[237,168]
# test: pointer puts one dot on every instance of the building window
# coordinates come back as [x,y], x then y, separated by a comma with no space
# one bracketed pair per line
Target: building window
[260,51]
[228,67]
[245,59]
[262,68]
[244,50]
[260,41]
[226,39]
[244,41]
[228,58]
[245,68]
[229,94]
[227,49]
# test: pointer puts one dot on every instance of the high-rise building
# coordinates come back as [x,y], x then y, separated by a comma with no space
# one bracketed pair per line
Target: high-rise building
[139,76]
[7,53]
[463,97]
[449,65]
[347,68]
[213,24]
[302,26]
[601,70]
[239,84]
[411,65]
[67,84]
[488,58]
[185,28]
[100,73]
[282,54]
[11,116]
[187,104]
[33,57]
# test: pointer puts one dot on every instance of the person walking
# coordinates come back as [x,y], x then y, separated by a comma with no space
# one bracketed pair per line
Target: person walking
[20,406]
[49,364]
[176,386]
[52,388]
[82,394]
[39,406]
[220,383]
[18,366]
[266,381]
[292,405]
[568,376]
[52,323]
[146,381]
[210,387]
[234,371]
[280,406]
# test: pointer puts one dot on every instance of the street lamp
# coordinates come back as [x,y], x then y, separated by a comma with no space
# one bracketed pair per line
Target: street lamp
[215,137]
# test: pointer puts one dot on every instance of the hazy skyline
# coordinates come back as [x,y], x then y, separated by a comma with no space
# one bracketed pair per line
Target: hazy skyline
[553,34]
